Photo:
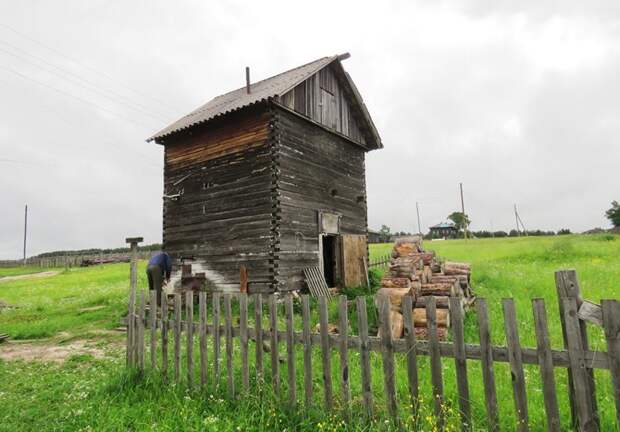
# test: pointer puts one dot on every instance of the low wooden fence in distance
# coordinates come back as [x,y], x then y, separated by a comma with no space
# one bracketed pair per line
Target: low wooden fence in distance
[66,261]
[215,321]
[380,262]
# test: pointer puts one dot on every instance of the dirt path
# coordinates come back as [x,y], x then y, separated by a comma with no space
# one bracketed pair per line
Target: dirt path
[29,276]
[46,352]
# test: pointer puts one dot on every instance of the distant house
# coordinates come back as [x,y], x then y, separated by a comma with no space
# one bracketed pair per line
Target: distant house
[375,237]
[271,177]
[444,230]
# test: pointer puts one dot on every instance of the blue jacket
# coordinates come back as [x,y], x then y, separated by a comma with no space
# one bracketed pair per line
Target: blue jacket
[164,262]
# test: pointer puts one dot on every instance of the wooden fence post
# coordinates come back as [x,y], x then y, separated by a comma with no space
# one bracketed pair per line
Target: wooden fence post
[258,327]
[343,331]
[275,352]
[412,357]
[611,323]
[140,330]
[202,336]
[486,362]
[387,352]
[362,325]
[243,340]
[290,350]
[516,364]
[435,354]
[177,336]
[325,353]
[189,318]
[216,340]
[567,286]
[153,326]
[307,342]
[131,310]
[578,369]
[230,377]
[460,361]
[545,362]
[164,336]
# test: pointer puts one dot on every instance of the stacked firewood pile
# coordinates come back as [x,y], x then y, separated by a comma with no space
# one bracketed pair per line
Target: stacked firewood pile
[421,274]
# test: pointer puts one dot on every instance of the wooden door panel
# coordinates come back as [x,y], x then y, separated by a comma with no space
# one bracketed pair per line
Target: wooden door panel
[353,252]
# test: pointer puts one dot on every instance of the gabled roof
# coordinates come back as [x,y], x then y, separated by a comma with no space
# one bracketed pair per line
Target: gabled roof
[444,225]
[271,87]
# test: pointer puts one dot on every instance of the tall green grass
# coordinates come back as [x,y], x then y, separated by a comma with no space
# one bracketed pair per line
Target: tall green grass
[92,394]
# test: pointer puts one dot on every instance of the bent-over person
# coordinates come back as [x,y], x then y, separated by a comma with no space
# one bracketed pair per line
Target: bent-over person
[158,270]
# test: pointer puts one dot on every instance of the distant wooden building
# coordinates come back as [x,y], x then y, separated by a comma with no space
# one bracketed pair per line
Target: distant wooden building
[375,237]
[444,230]
[271,176]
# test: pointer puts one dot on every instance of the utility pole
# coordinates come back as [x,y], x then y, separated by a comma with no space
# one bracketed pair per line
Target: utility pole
[517,221]
[463,212]
[25,230]
[417,210]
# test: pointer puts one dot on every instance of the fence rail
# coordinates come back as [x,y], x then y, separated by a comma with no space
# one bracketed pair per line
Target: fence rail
[381,262]
[284,330]
[69,260]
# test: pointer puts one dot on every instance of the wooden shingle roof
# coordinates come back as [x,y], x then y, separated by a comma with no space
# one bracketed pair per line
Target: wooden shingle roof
[271,87]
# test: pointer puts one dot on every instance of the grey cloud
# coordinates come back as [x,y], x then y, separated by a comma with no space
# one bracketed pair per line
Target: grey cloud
[517,102]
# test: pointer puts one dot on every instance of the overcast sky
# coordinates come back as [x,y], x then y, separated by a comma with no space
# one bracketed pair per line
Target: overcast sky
[520,101]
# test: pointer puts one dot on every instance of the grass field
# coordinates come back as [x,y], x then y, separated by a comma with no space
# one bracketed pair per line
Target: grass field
[90,393]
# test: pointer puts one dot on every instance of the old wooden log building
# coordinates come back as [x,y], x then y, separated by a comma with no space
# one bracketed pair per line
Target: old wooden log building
[271,176]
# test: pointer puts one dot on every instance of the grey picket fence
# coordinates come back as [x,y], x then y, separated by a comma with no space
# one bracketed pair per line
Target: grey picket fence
[380,262]
[214,321]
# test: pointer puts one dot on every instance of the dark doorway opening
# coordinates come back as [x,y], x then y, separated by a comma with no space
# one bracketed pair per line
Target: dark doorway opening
[329,259]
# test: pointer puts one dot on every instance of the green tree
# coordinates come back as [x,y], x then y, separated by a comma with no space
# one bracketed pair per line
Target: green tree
[461,220]
[613,214]
[385,233]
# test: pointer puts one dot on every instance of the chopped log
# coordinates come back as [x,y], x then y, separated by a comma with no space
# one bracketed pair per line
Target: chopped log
[404,249]
[464,265]
[395,295]
[427,274]
[413,241]
[399,273]
[436,267]
[439,278]
[437,289]
[331,328]
[454,268]
[396,320]
[442,302]
[415,288]
[395,282]
[422,333]
[4,337]
[419,317]
[456,271]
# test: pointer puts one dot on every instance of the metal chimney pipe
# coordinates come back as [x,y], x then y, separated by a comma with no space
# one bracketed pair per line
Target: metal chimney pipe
[247,79]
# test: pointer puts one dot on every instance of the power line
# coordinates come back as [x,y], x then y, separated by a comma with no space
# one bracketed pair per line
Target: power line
[74,78]
[76,62]
[41,83]
[114,144]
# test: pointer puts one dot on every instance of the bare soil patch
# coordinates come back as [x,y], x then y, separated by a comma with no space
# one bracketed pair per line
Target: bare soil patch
[46,352]
[29,276]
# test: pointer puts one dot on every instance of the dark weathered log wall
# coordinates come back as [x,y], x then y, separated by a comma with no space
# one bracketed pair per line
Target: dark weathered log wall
[224,214]
[317,171]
